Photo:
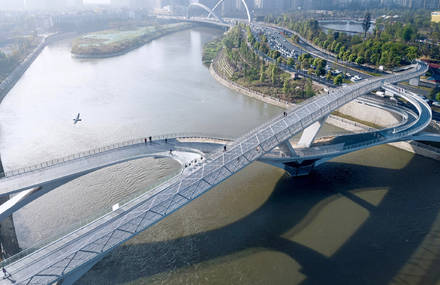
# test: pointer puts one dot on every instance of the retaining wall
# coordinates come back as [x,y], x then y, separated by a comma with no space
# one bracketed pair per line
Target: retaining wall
[370,114]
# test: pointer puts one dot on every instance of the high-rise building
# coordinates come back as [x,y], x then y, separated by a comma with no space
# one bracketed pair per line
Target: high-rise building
[274,5]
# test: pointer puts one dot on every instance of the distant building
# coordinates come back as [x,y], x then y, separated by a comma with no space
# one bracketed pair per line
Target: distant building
[164,11]
[435,17]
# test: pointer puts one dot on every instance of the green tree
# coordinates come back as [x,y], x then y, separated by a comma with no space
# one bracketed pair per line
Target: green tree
[274,73]
[408,33]
[309,89]
[328,76]
[286,85]
[279,60]
[360,60]
[338,80]
[291,62]
[366,23]
[352,57]
[411,53]
[262,73]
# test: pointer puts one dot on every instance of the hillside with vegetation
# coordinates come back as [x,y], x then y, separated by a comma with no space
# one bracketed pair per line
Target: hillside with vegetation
[243,66]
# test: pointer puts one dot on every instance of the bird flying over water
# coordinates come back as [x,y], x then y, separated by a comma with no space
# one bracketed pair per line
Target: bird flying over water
[77,119]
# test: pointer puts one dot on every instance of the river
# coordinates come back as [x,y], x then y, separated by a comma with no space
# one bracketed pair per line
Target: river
[349,27]
[360,218]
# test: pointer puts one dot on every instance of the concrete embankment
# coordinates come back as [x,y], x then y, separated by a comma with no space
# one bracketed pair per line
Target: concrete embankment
[15,75]
[354,109]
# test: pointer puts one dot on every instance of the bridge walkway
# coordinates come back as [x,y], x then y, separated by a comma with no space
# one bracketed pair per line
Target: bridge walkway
[80,164]
[90,243]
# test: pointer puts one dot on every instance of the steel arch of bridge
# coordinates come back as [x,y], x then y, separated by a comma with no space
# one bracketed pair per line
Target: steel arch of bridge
[242,1]
[211,12]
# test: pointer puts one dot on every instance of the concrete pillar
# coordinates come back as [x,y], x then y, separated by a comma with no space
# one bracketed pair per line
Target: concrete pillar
[414,81]
[299,169]
[8,237]
[309,134]
[291,165]
[2,171]
[287,148]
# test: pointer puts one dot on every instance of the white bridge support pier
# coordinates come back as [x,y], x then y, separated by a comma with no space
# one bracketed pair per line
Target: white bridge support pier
[73,254]
[290,163]
[414,81]
[309,134]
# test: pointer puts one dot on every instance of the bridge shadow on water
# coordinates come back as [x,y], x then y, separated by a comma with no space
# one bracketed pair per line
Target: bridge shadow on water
[374,254]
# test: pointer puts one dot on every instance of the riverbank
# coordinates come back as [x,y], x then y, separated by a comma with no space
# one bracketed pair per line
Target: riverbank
[213,69]
[18,72]
[111,43]
[353,110]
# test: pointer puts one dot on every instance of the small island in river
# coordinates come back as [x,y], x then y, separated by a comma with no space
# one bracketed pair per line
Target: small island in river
[109,43]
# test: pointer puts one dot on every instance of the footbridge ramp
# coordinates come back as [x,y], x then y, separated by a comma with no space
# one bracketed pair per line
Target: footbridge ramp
[66,258]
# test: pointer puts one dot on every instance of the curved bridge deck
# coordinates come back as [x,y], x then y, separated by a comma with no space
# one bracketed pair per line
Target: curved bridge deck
[87,245]
[184,151]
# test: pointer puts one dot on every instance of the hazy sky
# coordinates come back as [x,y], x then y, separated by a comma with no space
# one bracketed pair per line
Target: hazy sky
[96,1]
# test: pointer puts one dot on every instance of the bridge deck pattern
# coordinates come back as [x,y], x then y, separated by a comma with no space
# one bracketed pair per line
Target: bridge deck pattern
[414,123]
[89,243]
[33,176]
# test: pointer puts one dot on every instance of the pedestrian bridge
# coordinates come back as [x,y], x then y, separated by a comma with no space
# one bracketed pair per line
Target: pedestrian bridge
[74,254]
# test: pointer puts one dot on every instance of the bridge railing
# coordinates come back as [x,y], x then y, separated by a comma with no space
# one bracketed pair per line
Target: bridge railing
[214,172]
[103,149]
[343,96]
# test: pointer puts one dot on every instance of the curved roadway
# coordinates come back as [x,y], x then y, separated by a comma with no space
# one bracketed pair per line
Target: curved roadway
[319,153]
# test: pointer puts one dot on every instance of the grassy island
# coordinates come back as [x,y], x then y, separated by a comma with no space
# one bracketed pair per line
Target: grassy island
[110,43]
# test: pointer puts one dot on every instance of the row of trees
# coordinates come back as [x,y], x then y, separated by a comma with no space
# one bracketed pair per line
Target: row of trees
[21,48]
[392,43]
[251,71]
[313,66]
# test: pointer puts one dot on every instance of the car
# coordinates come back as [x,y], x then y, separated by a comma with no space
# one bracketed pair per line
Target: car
[380,93]
[436,103]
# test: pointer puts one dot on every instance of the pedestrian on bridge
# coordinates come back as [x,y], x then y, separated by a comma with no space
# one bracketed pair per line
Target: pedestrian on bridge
[224,148]
[6,273]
